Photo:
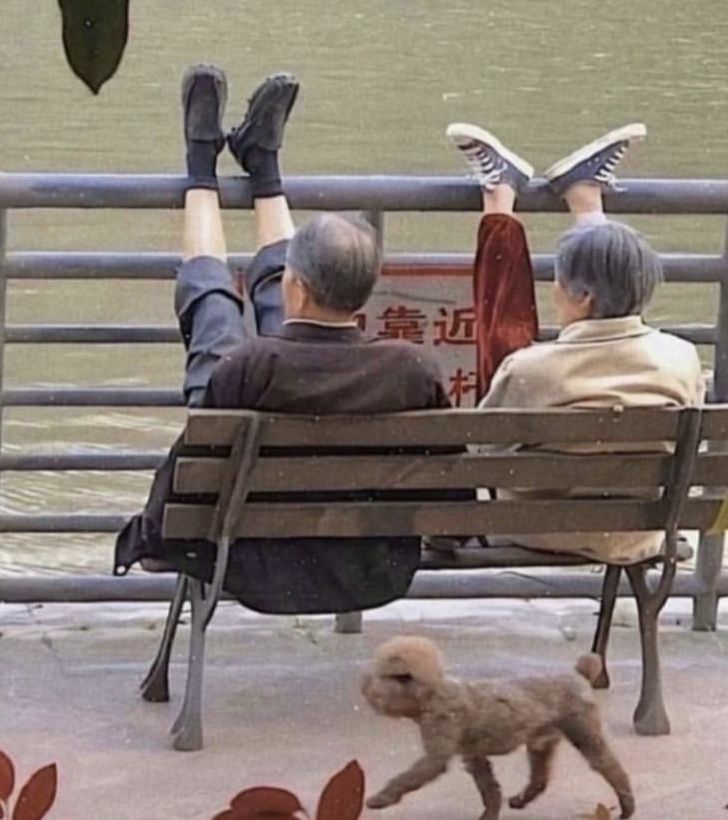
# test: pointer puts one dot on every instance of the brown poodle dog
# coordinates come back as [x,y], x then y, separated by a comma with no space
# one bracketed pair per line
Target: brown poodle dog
[476,720]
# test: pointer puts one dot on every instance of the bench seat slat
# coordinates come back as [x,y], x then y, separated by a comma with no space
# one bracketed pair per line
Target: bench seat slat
[394,519]
[446,428]
[349,473]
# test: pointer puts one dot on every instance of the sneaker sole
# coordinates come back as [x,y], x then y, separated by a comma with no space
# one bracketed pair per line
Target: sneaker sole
[458,132]
[627,133]
[219,80]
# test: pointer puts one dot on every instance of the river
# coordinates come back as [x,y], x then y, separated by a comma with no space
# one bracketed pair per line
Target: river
[380,81]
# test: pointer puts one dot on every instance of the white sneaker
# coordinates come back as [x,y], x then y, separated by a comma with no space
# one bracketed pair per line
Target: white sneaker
[595,161]
[491,162]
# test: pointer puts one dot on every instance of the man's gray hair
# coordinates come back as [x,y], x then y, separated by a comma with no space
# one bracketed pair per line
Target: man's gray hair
[338,258]
[611,263]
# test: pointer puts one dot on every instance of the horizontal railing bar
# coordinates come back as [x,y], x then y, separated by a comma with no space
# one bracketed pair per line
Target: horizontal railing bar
[62,522]
[370,192]
[530,584]
[19,462]
[90,397]
[91,334]
[90,265]
[438,584]
[152,334]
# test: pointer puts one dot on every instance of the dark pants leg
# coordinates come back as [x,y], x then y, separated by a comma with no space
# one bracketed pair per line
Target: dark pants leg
[505,298]
[209,309]
[263,283]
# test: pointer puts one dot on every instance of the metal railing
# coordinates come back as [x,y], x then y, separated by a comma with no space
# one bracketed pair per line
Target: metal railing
[375,195]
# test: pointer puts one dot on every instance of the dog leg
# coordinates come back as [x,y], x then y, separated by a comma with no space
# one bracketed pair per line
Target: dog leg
[584,732]
[540,756]
[423,771]
[488,786]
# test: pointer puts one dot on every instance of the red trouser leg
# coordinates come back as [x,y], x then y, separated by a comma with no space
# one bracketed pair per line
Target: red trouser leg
[505,298]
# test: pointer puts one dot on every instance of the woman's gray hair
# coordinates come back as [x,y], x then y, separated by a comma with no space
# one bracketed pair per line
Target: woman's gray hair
[611,263]
[338,258]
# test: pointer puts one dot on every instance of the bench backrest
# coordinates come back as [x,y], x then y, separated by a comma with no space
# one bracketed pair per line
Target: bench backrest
[418,454]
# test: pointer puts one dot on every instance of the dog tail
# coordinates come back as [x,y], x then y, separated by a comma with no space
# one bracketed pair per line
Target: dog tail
[590,666]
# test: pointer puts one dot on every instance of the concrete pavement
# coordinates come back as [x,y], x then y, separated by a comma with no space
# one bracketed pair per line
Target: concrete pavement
[282,708]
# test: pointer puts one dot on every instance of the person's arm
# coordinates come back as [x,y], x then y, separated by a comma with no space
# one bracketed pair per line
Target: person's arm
[506,386]
[210,315]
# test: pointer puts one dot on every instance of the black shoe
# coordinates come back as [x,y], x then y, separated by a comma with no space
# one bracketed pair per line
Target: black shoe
[263,124]
[204,94]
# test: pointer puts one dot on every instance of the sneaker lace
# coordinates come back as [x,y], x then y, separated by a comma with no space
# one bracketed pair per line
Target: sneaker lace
[605,175]
[487,168]
[490,179]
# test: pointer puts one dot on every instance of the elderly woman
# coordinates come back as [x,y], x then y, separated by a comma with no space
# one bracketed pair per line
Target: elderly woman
[605,276]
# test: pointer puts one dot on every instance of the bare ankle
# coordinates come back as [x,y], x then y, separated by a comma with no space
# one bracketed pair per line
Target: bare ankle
[583,198]
[500,200]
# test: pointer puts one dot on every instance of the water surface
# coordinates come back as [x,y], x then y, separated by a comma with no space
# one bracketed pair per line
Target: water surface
[381,80]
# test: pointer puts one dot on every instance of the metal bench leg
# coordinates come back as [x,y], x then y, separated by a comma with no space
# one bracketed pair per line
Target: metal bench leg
[650,716]
[348,623]
[155,686]
[188,726]
[604,624]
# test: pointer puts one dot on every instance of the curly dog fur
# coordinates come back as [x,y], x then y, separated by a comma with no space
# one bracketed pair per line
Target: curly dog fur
[476,720]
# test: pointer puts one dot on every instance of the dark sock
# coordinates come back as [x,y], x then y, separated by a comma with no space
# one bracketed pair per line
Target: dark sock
[202,164]
[265,175]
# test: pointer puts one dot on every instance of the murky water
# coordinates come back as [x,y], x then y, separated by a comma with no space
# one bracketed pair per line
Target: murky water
[380,82]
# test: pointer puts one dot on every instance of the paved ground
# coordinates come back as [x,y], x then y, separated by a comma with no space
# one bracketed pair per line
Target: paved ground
[282,708]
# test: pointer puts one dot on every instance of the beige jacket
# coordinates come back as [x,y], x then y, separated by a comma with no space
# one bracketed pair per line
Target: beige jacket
[600,363]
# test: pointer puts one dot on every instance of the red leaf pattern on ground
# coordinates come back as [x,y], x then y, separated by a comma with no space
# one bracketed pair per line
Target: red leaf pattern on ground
[262,803]
[37,795]
[7,778]
[343,796]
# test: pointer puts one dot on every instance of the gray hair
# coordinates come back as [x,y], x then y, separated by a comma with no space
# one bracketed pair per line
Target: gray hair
[611,263]
[338,259]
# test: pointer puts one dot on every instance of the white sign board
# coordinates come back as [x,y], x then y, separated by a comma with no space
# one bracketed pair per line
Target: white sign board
[434,309]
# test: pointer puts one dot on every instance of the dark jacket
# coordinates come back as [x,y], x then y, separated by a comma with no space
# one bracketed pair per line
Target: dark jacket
[307,369]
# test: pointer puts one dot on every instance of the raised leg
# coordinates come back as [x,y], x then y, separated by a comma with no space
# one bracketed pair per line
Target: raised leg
[348,623]
[540,757]
[604,624]
[155,687]
[650,716]
[188,726]
[488,786]
[584,732]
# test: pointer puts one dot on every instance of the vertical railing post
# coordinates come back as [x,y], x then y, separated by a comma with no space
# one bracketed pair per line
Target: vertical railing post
[3,302]
[710,550]
[376,220]
[348,623]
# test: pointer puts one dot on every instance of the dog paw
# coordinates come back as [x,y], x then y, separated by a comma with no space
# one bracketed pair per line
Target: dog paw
[517,801]
[380,801]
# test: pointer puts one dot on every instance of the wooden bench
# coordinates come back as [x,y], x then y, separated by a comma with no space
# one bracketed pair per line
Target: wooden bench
[675,488]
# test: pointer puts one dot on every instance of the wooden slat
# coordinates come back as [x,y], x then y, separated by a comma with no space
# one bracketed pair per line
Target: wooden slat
[349,473]
[495,557]
[439,427]
[467,518]
[715,422]
[711,469]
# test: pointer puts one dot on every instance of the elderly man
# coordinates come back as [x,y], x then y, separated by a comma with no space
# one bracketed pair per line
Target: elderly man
[605,354]
[305,286]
